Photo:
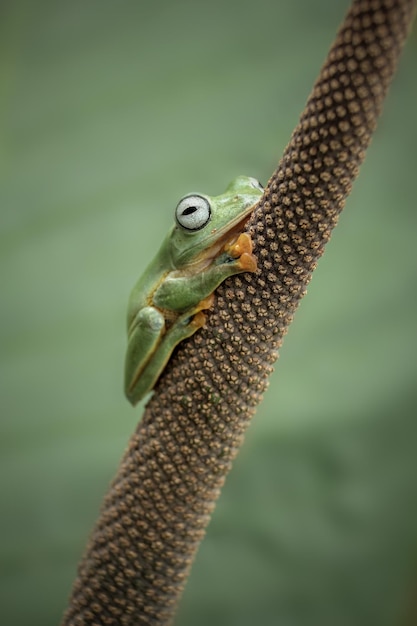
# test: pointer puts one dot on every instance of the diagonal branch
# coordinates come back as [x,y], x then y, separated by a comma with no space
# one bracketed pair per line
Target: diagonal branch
[155,514]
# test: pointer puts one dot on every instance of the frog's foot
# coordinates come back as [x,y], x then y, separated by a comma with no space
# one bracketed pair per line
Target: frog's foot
[194,319]
[237,246]
[199,319]
[241,250]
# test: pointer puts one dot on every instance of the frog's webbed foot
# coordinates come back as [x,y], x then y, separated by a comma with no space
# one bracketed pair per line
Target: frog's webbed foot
[240,249]
[196,318]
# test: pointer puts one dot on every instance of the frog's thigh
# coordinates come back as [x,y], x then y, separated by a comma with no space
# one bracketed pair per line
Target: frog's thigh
[143,340]
[184,327]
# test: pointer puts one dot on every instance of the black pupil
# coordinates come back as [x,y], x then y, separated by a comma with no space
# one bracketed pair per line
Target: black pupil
[189,210]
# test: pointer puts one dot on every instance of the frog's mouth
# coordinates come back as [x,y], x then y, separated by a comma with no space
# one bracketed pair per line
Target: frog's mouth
[217,242]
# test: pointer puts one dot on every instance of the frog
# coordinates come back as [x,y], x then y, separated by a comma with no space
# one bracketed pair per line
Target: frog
[206,244]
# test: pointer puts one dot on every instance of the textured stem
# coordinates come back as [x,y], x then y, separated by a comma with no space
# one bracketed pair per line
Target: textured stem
[154,516]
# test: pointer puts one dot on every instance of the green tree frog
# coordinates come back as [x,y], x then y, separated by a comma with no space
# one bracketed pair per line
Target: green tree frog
[203,248]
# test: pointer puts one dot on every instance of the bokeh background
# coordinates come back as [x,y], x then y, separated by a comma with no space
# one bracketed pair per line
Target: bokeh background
[110,112]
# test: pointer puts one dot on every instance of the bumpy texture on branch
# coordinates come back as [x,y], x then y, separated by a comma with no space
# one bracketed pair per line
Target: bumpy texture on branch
[154,516]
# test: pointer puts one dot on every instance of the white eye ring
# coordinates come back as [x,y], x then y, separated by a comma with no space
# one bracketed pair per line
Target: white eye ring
[193,212]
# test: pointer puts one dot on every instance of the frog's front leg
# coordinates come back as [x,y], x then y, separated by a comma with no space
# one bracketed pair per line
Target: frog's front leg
[181,292]
[145,334]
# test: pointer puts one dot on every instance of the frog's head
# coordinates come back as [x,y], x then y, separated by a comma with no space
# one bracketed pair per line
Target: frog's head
[204,223]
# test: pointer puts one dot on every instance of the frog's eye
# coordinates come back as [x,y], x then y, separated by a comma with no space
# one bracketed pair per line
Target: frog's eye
[256,184]
[193,212]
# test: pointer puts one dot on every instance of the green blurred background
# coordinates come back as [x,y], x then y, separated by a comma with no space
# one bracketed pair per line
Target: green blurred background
[110,111]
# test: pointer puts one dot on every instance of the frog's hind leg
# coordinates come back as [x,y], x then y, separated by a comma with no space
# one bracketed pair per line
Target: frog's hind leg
[185,326]
[144,336]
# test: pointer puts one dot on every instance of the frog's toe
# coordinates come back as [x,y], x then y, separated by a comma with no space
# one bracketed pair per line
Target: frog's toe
[239,246]
[189,323]
[199,320]
[247,262]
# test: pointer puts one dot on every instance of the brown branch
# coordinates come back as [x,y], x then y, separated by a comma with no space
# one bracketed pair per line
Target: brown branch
[154,516]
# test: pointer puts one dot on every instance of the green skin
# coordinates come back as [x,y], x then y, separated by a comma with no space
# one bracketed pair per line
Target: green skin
[166,304]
